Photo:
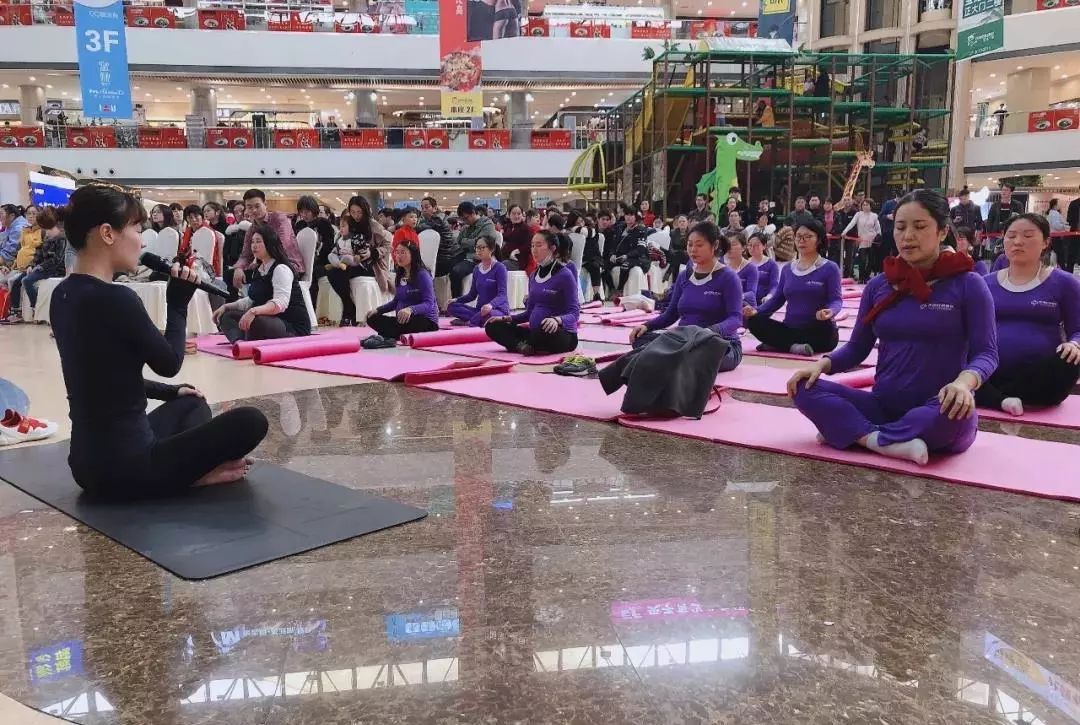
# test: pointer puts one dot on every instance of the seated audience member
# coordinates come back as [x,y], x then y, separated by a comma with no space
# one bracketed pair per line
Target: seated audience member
[233,247]
[735,258]
[700,211]
[551,310]
[768,270]
[48,261]
[214,214]
[274,306]
[517,241]
[14,224]
[592,256]
[105,337]
[933,320]
[308,216]
[406,232]
[431,218]
[414,306]
[488,288]
[1038,324]
[810,286]
[161,217]
[734,223]
[630,250]
[476,224]
[385,217]
[257,212]
[762,226]
[30,238]
[676,251]
[707,294]
[363,250]
[647,216]
[964,237]
[185,255]
[177,211]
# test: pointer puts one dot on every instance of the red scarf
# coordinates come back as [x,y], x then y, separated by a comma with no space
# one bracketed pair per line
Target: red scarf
[907,280]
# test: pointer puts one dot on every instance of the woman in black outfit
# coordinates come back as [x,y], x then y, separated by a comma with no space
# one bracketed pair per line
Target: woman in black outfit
[160,217]
[214,214]
[307,217]
[105,338]
[274,306]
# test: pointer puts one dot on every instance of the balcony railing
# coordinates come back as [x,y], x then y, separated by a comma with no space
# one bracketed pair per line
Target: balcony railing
[238,137]
[313,17]
[1041,121]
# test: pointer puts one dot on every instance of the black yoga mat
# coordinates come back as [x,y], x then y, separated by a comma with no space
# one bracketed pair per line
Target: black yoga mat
[212,530]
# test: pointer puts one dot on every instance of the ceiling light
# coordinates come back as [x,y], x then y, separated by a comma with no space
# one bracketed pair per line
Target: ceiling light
[1019,67]
[147,95]
[63,93]
[421,99]
[993,75]
[374,96]
[262,90]
[573,93]
[31,79]
[5,86]
[133,87]
[1064,76]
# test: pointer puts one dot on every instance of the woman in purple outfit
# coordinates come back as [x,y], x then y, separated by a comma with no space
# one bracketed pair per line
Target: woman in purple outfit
[933,320]
[706,294]
[488,288]
[810,286]
[735,258]
[1038,324]
[768,270]
[413,304]
[551,310]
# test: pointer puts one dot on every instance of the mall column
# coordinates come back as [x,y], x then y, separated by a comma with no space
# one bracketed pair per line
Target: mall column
[31,99]
[204,105]
[365,111]
[1025,90]
[517,112]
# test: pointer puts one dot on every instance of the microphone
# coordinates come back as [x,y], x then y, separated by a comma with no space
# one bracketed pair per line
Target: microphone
[162,265]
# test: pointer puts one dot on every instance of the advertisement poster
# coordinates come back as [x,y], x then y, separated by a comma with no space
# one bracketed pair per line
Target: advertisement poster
[150,17]
[460,68]
[222,20]
[489,140]
[296,138]
[101,40]
[29,137]
[91,137]
[981,28]
[161,137]
[554,139]
[777,20]
[363,138]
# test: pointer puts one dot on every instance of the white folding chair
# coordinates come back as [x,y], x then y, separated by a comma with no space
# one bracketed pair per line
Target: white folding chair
[517,286]
[429,249]
[577,252]
[661,239]
[168,242]
[366,295]
[203,242]
[149,239]
[308,240]
[635,283]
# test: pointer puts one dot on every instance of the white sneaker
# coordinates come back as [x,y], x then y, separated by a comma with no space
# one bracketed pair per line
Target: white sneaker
[16,428]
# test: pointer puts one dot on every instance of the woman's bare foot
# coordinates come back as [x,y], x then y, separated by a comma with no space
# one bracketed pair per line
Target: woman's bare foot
[228,472]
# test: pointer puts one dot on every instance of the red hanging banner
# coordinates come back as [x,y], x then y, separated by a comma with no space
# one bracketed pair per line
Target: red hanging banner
[296,138]
[426,138]
[29,137]
[222,20]
[161,137]
[460,68]
[1066,119]
[91,137]
[1040,121]
[16,14]
[149,17]
[702,29]
[589,29]
[489,140]
[363,138]
[551,139]
[650,31]
[229,138]
[289,22]
[62,15]
[538,28]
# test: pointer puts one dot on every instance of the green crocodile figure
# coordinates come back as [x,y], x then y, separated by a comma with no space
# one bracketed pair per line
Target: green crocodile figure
[729,149]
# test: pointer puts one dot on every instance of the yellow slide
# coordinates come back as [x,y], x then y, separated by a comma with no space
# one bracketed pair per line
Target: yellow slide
[674,110]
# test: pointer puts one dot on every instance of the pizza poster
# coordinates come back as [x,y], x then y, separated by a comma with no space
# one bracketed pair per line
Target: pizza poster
[459,63]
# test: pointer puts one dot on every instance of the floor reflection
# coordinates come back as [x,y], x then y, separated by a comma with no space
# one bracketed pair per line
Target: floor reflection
[569,572]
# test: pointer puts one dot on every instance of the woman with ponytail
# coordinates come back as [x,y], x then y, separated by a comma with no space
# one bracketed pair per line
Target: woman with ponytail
[933,321]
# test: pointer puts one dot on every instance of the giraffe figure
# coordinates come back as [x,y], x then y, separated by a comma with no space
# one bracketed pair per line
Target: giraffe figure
[863,160]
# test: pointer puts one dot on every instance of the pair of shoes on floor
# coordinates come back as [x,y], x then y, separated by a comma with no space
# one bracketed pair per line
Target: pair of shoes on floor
[378,342]
[458,323]
[347,322]
[578,366]
[18,428]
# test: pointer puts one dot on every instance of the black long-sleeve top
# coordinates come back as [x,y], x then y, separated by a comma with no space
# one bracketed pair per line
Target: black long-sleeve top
[105,338]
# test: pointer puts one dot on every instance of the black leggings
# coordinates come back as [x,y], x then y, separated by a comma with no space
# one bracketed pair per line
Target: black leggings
[316,274]
[458,273]
[263,327]
[513,337]
[390,328]
[190,443]
[595,269]
[339,280]
[676,258]
[1040,383]
[821,336]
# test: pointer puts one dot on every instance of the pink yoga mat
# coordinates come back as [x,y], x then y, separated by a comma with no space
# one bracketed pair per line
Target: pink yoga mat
[594,305]
[551,393]
[387,364]
[750,343]
[306,348]
[851,294]
[624,316]
[489,350]
[604,333]
[634,322]
[1007,463]
[245,349]
[456,336]
[214,345]
[458,371]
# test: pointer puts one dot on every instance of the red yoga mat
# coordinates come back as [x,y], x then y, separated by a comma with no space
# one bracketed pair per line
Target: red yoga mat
[458,371]
[1006,463]
[578,397]
[456,336]
[307,348]
[387,364]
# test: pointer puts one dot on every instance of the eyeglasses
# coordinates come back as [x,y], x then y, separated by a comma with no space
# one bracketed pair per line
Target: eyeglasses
[806,237]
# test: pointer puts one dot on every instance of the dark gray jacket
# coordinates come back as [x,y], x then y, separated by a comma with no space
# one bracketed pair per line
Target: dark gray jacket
[673,374]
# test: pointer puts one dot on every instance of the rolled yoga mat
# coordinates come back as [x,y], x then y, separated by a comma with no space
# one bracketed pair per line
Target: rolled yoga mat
[457,336]
[303,349]
[1006,463]
[458,371]
[212,530]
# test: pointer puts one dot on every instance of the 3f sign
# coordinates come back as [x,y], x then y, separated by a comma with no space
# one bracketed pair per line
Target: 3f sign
[98,41]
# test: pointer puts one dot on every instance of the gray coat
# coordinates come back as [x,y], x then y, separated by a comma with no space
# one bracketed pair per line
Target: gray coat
[673,374]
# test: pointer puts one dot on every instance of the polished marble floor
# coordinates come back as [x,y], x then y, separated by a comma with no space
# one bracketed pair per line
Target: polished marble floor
[568,572]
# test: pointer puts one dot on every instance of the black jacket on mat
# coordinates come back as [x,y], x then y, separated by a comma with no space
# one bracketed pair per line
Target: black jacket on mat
[673,374]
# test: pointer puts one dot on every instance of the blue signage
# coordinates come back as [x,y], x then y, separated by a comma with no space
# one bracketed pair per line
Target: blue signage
[100,34]
[443,622]
[57,661]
